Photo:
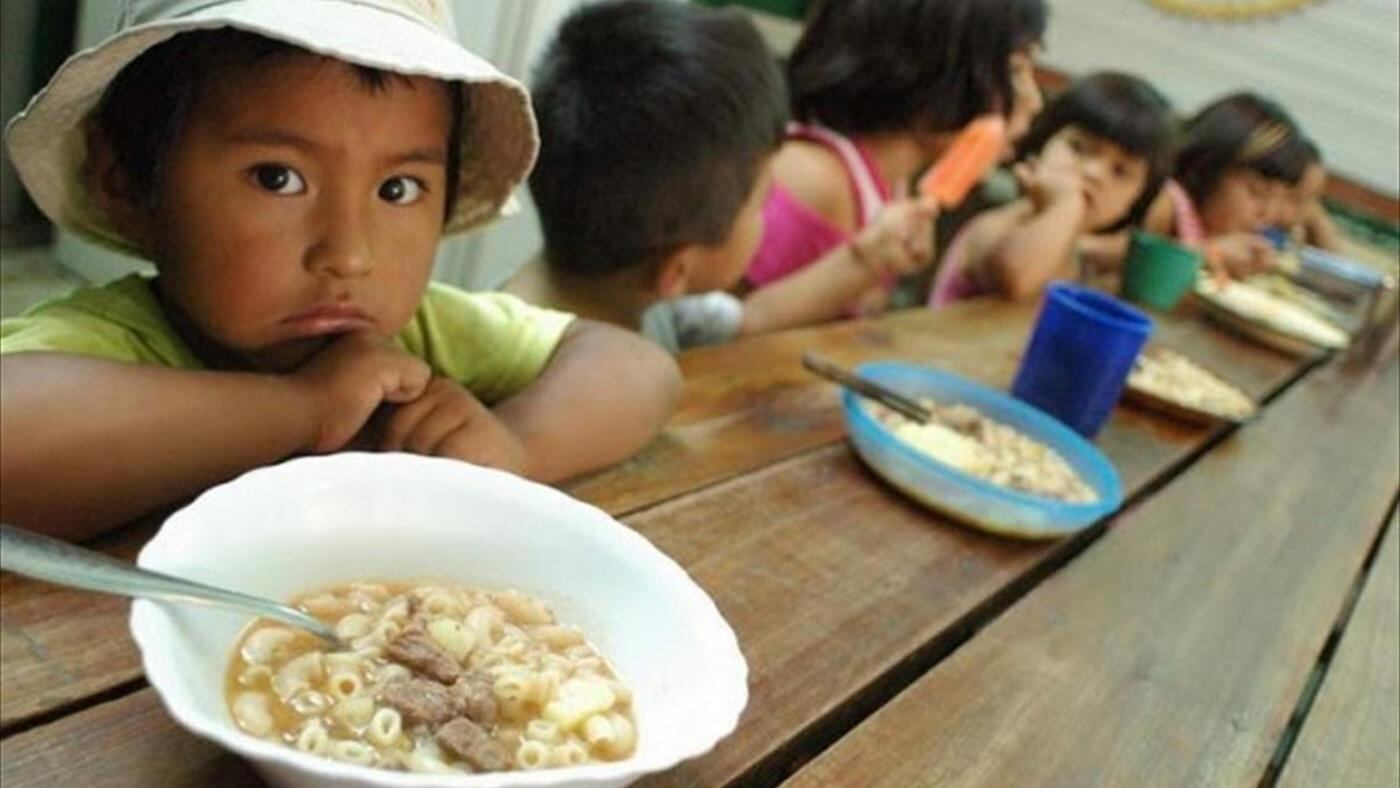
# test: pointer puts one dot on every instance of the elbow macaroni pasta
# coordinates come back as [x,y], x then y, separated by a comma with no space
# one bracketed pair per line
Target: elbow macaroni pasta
[557,702]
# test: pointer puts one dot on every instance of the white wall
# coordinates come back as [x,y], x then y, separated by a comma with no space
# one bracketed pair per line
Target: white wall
[511,34]
[1335,64]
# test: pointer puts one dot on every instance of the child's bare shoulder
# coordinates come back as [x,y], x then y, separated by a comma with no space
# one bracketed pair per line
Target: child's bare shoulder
[815,177]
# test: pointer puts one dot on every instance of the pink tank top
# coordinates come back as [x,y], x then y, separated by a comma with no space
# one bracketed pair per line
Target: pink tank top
[1189,228]
[794,236]
[952,282]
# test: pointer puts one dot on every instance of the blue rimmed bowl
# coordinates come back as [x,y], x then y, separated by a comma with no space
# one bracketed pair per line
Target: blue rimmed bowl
[960,495]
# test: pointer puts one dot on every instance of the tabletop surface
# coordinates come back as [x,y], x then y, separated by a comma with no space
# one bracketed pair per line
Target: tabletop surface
[1233,623]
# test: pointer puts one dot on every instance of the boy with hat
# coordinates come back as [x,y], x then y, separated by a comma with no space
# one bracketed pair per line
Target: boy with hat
[289,166]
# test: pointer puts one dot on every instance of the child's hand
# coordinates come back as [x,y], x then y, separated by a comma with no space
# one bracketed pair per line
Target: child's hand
[1047,185]
[899,241]
[1240,255]
[350,378]
[448,421]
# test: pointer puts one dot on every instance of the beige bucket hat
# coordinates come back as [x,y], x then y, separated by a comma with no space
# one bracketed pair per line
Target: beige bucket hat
[417,37]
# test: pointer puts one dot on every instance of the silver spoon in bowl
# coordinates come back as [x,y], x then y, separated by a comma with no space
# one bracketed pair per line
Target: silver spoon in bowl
[27,553]
[907,407]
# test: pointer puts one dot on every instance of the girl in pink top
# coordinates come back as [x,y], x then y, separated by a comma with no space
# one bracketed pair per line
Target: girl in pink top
[795,234]
[879,88]
[1237,153]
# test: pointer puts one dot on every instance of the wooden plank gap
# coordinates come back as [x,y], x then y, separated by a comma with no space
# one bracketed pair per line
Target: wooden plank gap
[1310,366]
[823,732]
[1324,658]
[719,481]
[114,692]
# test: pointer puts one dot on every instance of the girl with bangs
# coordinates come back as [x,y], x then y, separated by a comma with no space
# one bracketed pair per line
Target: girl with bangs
[1238,153]
[1092,162]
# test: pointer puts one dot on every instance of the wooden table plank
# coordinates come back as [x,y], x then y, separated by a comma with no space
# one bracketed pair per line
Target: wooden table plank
[749,404]
[745,406]
[1351,736]
[127,742]
[58,645]
[831,591]
[1176,648]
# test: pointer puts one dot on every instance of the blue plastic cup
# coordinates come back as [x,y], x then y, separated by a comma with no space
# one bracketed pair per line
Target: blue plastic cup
[1081,351]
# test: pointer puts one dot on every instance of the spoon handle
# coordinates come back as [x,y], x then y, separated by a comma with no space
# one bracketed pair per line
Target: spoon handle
[30,554]
[904,406]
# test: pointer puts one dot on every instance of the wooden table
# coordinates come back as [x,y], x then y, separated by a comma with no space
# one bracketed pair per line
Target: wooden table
[1234,622]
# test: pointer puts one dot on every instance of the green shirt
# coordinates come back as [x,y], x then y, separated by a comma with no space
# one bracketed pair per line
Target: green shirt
[494,344]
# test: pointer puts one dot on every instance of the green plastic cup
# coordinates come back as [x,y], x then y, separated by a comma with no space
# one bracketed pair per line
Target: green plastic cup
[1158,272]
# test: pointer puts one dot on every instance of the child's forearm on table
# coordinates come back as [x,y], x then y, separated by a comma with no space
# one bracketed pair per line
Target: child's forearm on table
[821,292]
[87,444]
[1103,252]
[605,395]
[1033,252]
[1322,232]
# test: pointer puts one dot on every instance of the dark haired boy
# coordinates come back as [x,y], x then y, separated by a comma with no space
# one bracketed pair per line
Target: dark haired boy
[658,121]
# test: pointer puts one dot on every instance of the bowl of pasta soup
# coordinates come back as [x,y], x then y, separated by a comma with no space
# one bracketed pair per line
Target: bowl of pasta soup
[493,631]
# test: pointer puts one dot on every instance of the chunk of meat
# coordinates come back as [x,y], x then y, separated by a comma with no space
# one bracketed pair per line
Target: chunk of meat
[420,652]
[420,701]
[475,696]
[473,744]
[961,418]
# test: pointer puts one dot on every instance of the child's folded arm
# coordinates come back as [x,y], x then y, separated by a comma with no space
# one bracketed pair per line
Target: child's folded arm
[605,394]
[88,443]
[818,293]
[1034,248]
[1320,230]
[1103,252]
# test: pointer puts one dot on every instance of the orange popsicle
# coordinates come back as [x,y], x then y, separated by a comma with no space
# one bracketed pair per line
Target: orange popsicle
[975,151]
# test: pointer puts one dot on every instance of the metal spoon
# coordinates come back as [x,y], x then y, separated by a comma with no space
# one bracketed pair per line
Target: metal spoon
[41,557]
[865,387]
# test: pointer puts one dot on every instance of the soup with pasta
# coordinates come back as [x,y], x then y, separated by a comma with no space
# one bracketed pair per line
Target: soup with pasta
[434,679]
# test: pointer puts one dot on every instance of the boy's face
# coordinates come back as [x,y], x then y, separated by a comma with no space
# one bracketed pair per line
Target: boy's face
[1239,203]
[299,204]
[1112,177]
[721,267]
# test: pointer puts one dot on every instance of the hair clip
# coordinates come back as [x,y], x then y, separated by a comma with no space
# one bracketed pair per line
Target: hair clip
[1265,140]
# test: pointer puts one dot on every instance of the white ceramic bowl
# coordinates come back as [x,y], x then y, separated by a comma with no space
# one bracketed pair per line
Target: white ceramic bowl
[310,523]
